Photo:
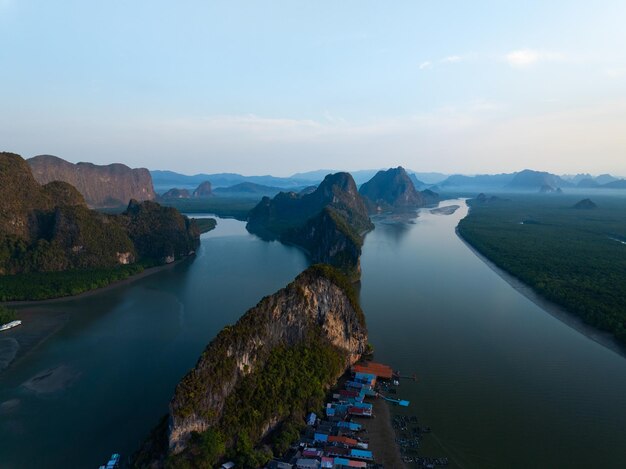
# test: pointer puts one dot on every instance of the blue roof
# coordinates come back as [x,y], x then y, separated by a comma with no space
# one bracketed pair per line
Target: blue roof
[320,437]
[350,425]
[365,377]
[361,453]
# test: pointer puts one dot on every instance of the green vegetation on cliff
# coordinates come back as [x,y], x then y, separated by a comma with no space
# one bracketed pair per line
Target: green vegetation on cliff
[159,232]
[574,258]
[49,229]
[391,189]
[205,224]
[247,395]
[291,383]
[329,223]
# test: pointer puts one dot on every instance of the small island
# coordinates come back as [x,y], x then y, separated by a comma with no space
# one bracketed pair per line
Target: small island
[448,210]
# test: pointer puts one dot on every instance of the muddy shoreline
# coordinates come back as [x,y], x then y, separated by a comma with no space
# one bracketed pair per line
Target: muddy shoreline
[41,319]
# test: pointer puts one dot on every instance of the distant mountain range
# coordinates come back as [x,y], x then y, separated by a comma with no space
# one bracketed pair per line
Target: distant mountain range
[364,175]
[530,180]
[166,180]
[237,185]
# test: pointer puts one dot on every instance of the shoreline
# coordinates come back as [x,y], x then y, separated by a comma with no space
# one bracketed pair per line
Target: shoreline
[133,278]
[555,310]
[382,436]
[42,319]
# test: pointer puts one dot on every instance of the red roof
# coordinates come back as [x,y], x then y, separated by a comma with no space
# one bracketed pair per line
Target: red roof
[343,440]
[378,369]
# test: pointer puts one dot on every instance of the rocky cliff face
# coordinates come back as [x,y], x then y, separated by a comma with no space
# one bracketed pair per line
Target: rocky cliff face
[328,239]
[329,222]
[101,186]
[176,193]
[317,304]
[203,190]
[391,190]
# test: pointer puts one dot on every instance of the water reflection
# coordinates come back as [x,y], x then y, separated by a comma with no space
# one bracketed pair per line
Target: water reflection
[99,384]
[501,382]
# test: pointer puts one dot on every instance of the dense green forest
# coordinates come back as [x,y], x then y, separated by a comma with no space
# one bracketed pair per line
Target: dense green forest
[226,207]
[205,224]
[573,257]
[46,285]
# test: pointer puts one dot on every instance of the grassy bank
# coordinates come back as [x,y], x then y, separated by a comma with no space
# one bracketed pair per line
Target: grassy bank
[570,256]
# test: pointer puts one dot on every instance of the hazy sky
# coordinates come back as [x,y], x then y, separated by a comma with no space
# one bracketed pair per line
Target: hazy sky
[284,86]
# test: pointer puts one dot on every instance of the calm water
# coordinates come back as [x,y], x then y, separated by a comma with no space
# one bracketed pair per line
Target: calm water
[501,382]
[123,351]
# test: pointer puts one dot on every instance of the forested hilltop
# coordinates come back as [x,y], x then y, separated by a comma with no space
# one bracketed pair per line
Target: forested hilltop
[52,244]
[570,251]
[329,223]
[247,396]
[393,190]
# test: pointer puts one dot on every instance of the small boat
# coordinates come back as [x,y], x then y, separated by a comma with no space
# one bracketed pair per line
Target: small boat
[113,463]
[10,325]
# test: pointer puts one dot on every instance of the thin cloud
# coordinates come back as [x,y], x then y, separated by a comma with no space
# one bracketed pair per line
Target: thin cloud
[524,58]
[452,59]
[615,72]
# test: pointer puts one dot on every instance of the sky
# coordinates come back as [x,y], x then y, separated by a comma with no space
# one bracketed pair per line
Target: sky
[278,87]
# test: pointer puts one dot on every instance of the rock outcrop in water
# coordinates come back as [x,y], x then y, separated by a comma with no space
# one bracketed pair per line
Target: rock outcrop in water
[329,223]
[112,185]
[393,190]
[50,228]
[301,338]
[585,204]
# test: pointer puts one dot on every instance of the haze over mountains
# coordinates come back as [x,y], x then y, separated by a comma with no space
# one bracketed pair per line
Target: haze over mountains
[525,180]
[116,184]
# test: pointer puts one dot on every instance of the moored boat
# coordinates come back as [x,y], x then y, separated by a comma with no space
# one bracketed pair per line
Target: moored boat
[10,325]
